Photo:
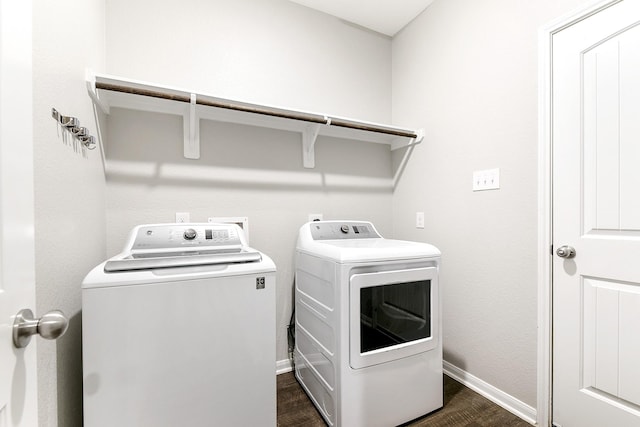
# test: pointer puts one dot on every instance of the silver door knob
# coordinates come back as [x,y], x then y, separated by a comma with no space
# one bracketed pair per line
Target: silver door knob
[566,252]
[50,326]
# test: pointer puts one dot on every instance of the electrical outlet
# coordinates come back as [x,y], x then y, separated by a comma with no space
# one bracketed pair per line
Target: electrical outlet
[182,217]
[419,219]
[315,217]
[488,179]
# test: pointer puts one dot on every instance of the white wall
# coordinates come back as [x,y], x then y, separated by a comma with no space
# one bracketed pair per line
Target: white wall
[69,193]
[466,71]
[273,52]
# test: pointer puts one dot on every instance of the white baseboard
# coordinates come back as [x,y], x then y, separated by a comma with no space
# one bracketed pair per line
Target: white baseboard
[283,366]
[497,396]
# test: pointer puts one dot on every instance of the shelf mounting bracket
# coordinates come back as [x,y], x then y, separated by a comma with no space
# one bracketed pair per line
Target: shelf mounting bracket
[191,123]
[402,142]
[309,136]
[90,77]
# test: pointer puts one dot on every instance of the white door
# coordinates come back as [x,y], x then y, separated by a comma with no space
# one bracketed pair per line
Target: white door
[17,366]
[596,210]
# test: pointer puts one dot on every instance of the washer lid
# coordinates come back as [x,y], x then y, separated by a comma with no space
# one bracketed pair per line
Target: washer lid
[182,259]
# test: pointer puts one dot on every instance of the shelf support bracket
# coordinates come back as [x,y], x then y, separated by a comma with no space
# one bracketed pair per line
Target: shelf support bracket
[309,136]
[90,78]
[191,123]
[402,142]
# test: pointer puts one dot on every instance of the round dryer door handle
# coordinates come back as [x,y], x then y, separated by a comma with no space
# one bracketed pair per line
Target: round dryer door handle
[51,326]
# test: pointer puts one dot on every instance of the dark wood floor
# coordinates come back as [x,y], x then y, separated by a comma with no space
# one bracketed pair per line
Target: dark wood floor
[462,407]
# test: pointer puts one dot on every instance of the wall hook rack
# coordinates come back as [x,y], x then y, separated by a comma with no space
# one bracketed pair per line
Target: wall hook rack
[72,124]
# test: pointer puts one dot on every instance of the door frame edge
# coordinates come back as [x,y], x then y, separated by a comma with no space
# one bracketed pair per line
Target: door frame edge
[544,414]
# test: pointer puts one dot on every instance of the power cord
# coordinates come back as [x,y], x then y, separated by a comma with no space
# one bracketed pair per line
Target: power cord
[291,334]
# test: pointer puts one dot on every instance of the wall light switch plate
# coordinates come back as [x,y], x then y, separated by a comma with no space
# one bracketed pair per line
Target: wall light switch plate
[419,219]
[488,179]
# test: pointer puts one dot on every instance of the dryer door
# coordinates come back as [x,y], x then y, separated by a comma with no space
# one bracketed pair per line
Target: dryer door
[393,314]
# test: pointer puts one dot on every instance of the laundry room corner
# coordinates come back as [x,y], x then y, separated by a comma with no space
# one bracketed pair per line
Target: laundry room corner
[69,191]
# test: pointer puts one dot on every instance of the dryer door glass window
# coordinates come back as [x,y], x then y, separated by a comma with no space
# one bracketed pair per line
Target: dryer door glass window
[394,314]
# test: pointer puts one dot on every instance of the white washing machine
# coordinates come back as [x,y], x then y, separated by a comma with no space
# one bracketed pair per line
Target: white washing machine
[368,347]
[179,330]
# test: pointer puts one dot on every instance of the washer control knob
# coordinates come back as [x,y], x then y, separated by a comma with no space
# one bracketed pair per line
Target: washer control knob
[344,229]
[190,234]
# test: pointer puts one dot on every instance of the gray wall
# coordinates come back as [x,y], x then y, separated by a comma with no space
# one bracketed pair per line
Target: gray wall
[265,51]
[68,36]
[466,71]
[272,52]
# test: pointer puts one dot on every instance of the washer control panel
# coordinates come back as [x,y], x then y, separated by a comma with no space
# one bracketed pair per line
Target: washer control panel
[166,236]
[333,230]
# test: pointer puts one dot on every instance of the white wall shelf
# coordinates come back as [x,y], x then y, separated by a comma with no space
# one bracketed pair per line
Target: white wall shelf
[111,91]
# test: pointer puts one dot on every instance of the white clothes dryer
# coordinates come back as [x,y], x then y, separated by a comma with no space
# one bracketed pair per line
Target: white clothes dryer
[179,330]
[368,347]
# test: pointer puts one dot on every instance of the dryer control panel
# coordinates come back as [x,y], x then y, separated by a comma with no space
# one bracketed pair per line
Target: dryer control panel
[333,230]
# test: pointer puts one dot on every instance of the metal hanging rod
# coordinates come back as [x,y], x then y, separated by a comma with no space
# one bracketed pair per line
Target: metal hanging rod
[209,103]
[263,111]
[258,110]
[372,128]
[72,124]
